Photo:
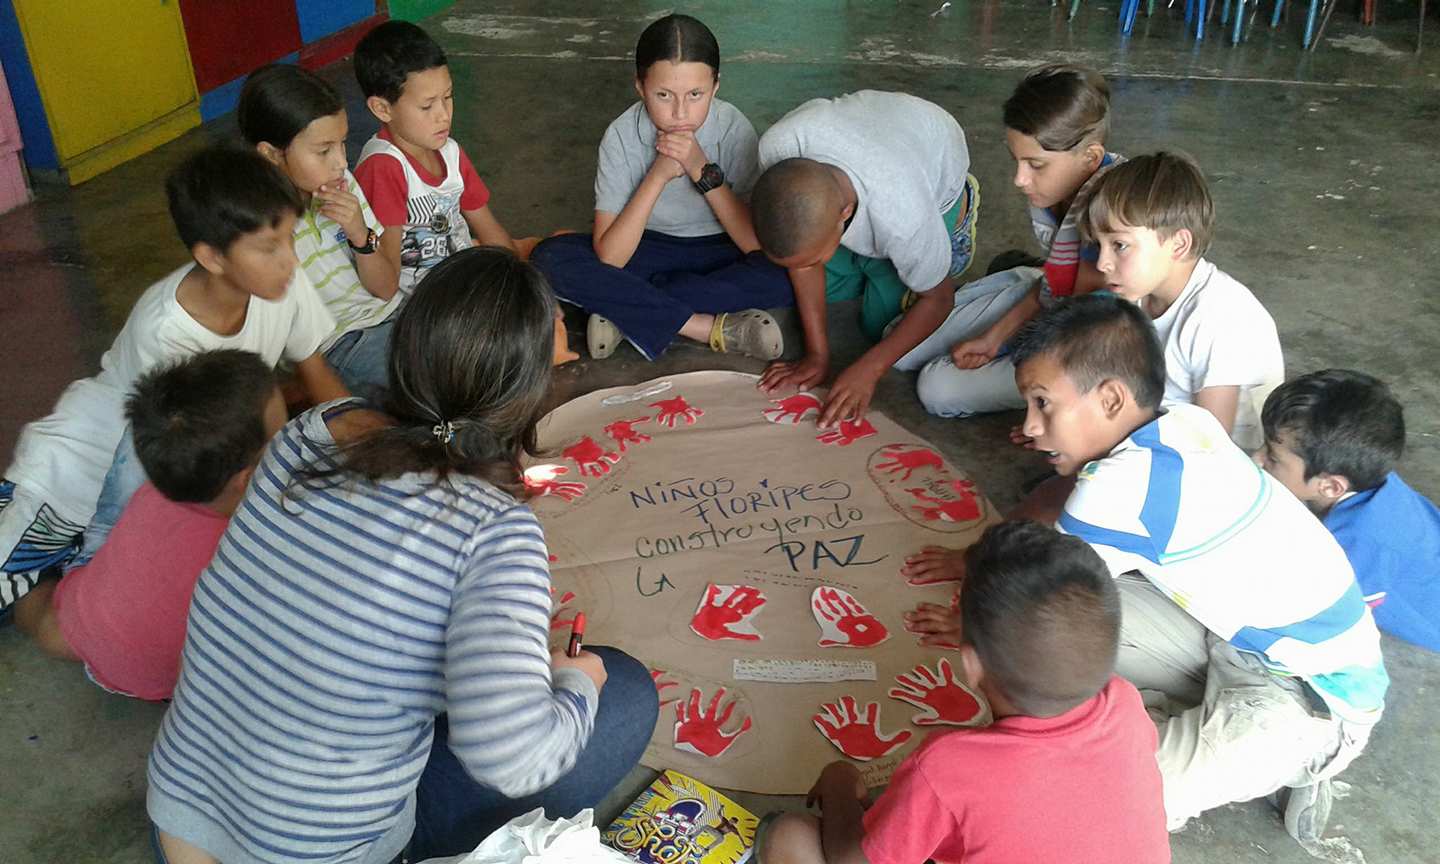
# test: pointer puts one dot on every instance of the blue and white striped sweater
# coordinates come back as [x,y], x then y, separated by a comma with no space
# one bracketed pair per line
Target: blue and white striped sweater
[1181,504]
[331,628]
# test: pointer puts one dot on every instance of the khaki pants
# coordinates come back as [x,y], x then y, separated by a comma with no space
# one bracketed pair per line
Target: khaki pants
[1230,729]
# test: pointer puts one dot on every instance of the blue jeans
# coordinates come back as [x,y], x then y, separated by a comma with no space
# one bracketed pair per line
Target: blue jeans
[122,481]
[453,813]
[362,360]
[667,280]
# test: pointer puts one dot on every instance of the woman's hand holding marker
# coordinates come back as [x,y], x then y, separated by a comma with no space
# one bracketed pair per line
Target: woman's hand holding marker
[577,635]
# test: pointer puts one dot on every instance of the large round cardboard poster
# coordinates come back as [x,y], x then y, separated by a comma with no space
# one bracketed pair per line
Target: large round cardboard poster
[752,560]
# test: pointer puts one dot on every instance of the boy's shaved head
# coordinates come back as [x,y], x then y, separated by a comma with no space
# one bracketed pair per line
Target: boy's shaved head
[1043,615]
[794,204]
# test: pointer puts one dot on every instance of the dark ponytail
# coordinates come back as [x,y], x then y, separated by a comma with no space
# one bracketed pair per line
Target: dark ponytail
[278,101]
[469,370]
[679,39]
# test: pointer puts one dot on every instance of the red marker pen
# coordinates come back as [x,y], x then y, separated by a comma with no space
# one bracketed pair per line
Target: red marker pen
[577,633]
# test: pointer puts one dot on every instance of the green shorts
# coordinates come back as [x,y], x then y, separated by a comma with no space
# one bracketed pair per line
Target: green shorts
[874,280]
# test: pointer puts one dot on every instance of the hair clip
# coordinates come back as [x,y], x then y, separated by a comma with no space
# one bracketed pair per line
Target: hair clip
[443,431]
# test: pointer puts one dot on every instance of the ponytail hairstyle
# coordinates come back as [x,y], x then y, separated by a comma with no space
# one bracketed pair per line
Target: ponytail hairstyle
[278,101]
[469,370]
[679,39]
[1062,106]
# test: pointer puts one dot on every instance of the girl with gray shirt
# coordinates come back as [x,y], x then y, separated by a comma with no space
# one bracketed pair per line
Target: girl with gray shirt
[673,251]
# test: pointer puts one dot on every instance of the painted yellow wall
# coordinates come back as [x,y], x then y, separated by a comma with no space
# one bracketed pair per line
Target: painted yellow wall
[107,71]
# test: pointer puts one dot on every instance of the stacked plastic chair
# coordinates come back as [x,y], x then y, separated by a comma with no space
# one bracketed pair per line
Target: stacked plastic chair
[1196,12]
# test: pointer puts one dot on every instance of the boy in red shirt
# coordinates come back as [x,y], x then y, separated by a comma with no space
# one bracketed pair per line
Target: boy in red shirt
[200,426]
[421,185]
[1066,772]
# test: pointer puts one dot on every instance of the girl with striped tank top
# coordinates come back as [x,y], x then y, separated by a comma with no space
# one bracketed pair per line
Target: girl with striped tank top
[1056,123]
[297,121]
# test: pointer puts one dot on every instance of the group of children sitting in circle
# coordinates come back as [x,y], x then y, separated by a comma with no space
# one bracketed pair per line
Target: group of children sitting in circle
[350,609]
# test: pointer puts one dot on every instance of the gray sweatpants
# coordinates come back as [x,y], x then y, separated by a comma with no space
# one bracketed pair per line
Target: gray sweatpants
[942,388]
[1230,729]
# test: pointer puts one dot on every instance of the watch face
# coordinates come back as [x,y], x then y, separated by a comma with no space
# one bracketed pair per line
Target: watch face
[711,177]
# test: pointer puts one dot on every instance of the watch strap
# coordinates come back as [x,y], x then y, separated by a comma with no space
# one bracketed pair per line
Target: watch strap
[711,177]
[370,243]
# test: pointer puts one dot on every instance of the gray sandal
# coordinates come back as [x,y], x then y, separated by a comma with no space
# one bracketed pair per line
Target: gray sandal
[753,332]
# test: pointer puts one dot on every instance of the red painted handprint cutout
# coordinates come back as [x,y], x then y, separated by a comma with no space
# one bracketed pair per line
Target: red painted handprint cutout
[843,621]
[847,433]
[857,736]
[728,612]
[662,684]
[540,480]
[792,409]
[622,432]
[563,616]
[592,459]
[941,698]
[672,411]
[703,732]
[960,509]
[903,457]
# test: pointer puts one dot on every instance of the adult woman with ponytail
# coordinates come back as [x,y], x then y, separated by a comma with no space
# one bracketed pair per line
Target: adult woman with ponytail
[366,675]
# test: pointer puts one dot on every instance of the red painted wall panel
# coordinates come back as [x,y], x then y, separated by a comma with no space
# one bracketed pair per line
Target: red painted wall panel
[337,45]
[229,38]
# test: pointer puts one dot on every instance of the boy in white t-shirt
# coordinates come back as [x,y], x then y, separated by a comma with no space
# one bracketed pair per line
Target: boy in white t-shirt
[1153,219]
[1243,625]
[420,183]
[236,213]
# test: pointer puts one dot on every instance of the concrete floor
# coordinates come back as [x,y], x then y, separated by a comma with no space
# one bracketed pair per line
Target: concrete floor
[1322,165]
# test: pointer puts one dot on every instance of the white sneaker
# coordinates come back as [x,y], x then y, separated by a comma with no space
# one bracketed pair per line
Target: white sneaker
[1306,810]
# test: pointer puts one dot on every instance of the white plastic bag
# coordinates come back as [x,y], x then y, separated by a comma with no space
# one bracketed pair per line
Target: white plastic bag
[533,839]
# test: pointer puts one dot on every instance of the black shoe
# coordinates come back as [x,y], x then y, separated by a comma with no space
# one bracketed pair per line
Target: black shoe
[1012,258]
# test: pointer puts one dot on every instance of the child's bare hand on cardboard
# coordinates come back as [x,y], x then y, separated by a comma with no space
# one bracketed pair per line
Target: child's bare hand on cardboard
[850,395]
[934,564]
[784,376]
[937,626]
[344,208]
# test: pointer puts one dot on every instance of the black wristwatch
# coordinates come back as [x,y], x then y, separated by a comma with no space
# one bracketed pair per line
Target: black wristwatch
[370,240]
[711,177]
